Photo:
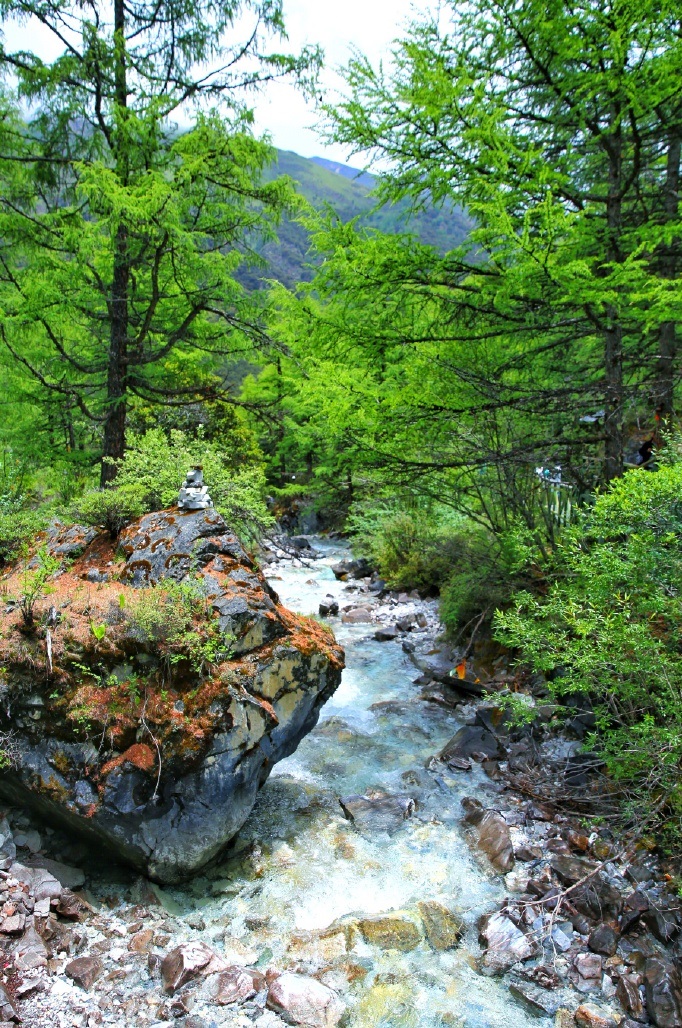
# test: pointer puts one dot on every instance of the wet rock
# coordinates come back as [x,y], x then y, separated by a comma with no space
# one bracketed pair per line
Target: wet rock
[474,811]
[494,839]
[305,1001]
[664,924]
[471,739]
[538,1001]
[188,961]
[212,760]
[603,939]
[629,996]
[506,944]
[84,971]
[378,812]
[597,899]
[569,869]
[663,993]
[357,616]
[589,1015]
[388,633]
[328,608]
[237,985]
[390,931]
[354,569]
[443,928]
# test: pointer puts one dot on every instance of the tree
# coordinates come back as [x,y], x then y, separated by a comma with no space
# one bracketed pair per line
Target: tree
[121,233]
[556,126]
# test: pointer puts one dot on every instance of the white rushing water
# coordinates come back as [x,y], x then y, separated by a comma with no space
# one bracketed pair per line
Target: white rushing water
[300,865]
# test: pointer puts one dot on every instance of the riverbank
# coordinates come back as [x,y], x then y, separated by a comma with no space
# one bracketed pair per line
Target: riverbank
[381,909]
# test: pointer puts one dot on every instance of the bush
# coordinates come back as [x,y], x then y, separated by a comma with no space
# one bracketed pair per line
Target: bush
[436,551]
[19,528]
[112,507]
[157,464]
[609,627]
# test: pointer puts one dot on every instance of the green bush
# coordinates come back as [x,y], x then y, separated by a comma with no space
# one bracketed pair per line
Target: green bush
[157,464]
[436,551]
[112,507]
[19,528]
[610,627]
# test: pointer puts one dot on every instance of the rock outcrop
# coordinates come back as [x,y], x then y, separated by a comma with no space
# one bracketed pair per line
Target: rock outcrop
[159,682]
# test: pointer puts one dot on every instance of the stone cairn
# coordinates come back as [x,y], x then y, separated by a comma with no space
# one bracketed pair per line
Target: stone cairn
[194,494]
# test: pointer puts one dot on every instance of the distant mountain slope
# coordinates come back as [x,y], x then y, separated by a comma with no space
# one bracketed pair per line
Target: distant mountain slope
[347,191]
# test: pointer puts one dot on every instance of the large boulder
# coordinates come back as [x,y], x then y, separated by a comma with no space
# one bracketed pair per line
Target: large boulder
[148,709]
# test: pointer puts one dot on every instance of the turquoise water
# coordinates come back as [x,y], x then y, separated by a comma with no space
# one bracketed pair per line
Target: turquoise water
[299,865]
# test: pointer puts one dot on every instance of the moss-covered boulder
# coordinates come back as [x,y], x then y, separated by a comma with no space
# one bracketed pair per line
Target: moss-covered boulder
[153,688]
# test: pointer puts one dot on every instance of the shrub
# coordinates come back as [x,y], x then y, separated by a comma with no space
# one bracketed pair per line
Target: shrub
[609,627]
[437,551]
[157,463]
[112,508]
[17,529]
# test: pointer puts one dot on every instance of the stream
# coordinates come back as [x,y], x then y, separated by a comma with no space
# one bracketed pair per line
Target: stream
[299,864]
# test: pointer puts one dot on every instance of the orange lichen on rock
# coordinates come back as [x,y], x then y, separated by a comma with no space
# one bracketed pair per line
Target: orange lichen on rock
[140,755]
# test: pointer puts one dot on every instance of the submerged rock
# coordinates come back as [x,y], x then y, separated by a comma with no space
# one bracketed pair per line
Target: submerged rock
[378,812]
[170,692]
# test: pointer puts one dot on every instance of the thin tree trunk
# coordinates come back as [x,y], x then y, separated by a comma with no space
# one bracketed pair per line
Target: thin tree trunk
[117,370]
[613,336]
[664,398]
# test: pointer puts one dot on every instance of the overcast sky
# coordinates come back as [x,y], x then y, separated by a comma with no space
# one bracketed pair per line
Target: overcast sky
[337,25]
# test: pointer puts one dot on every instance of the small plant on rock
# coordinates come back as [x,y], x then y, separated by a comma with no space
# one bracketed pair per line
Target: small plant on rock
[35,584]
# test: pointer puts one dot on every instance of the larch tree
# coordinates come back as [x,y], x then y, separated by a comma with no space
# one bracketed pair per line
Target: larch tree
[131,193]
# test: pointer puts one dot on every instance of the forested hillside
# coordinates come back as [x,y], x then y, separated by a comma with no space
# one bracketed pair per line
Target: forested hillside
[347,192]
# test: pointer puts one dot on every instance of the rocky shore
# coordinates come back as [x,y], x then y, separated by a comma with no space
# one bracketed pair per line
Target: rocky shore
[586,934]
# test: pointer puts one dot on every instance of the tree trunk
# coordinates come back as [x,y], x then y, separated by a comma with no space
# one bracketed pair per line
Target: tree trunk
[117,370]
[613,336]
[664,399]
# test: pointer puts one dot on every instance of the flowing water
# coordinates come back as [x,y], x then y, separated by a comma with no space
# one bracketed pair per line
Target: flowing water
[299,864]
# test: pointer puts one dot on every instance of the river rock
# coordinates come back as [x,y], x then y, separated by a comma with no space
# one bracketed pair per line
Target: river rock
[629,996]
[591,1016]
[506,944]
[388,633]
[443,928]
[305,1001]
[188,961]
[468,740]
[495,840]
[346,569]
[603,939]
[84,971]
[663,993]
[390,931]
[174,777]
[378,812]
[237,985]
[357,616]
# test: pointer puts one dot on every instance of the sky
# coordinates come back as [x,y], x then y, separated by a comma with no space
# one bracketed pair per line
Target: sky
[336,25]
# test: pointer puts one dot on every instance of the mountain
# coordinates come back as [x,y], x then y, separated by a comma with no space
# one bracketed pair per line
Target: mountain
[347,191]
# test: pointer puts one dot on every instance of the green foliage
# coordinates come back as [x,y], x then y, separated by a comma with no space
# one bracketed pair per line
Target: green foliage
[609,627]
[156,463]
[165,617]
[112,508]
[34,583]
[437,550]
[18,528]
